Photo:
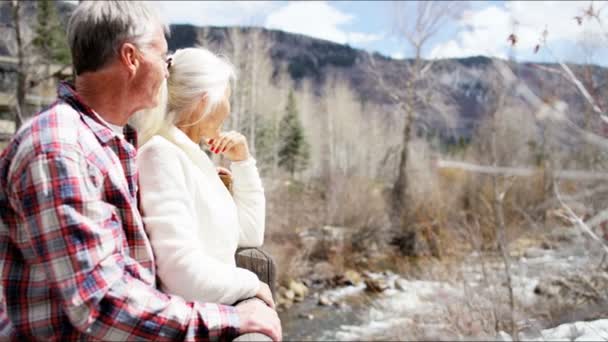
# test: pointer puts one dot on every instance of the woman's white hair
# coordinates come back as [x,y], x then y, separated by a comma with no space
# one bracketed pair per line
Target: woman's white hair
[194,73]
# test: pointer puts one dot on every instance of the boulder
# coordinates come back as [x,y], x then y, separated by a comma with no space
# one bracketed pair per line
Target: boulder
[309,317]
[534,252]
[323,272]
[299,290]
[376,285]
[325,301]
[503,336]
[350,277]
[401,284]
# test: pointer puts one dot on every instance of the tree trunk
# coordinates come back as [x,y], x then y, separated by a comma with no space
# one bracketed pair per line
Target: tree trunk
[399,194]
[21,75]
[254,76]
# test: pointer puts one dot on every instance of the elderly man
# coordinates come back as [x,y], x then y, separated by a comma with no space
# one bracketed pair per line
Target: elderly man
[74,257]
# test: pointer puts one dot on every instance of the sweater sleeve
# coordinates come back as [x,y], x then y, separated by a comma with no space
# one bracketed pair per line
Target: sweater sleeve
[248,195]
[169,218]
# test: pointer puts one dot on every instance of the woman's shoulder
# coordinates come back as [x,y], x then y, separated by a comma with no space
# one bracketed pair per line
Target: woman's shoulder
[159,146]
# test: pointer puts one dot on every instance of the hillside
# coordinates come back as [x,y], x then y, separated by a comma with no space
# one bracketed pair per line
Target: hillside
[345,102]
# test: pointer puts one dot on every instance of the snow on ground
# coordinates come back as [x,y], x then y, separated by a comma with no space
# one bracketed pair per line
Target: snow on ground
[421,305]
[397,310]
[577,331]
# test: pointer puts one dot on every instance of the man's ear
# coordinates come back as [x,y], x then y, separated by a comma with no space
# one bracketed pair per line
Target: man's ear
[129,58]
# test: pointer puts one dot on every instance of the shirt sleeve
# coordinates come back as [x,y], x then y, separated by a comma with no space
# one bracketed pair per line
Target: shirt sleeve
[183,266]
[248,195]
[78,240]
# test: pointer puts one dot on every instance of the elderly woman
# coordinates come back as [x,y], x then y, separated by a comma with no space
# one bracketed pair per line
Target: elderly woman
[194,223]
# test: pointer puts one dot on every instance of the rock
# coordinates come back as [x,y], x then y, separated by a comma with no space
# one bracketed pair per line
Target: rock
[309,317]
[350,277]
[547,245]
[568,235]
[503,336]
[299,290]
[376,285]
[289,295]
[401,284]
[534,252]
[325,301]
[323,271]
[285,297]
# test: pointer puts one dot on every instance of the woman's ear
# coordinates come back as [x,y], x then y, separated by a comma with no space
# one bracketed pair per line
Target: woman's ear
[128,57]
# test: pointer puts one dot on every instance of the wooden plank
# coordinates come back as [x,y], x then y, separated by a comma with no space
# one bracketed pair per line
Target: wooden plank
[262,264]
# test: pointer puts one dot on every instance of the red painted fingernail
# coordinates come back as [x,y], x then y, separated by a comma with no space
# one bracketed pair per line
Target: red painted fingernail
[224,149]
[210,141]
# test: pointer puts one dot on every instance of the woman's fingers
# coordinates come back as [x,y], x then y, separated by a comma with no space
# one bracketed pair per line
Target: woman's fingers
[232,145]
[229,137]
[228,146]
[226,141]
[218,142]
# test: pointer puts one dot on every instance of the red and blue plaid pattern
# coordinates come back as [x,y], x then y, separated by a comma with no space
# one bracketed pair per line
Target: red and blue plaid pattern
[74,257]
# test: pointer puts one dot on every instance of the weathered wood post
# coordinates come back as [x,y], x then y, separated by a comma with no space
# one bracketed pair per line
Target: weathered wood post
[260,263]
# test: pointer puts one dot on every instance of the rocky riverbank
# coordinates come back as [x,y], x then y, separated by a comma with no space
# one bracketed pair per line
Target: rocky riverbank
[555,280]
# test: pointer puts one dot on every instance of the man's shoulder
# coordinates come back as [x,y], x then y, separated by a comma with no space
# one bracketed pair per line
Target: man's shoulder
[57,129]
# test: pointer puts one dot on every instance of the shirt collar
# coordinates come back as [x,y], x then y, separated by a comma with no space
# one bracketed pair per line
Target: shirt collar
[66,92]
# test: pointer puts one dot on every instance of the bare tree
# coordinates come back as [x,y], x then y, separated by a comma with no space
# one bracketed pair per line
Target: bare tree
[414,23]
[21,67]
[37,67]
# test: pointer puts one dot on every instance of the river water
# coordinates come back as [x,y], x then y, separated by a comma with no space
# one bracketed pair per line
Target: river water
[414,309]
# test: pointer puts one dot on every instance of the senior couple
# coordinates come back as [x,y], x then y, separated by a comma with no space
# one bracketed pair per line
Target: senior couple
[78,258]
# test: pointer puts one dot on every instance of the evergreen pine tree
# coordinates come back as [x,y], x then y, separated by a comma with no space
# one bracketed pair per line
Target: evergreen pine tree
[50,38]
[293,150]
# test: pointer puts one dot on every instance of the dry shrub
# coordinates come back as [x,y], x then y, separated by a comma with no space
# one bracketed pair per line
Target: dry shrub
[358,204]
[352,204]
[290,259]
[291,208]
[436,205]
[444,203]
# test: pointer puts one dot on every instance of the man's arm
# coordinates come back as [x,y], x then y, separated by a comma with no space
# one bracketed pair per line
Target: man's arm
[75,235]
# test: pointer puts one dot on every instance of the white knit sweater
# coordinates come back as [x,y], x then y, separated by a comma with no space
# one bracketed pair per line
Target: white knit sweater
[193,222]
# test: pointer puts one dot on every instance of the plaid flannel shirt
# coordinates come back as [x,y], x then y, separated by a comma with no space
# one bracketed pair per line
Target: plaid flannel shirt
[76,263]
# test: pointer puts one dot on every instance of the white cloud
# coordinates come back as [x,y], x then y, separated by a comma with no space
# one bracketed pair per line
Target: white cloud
[485,31]
[219,13]
[317,19]
[292,17]
[397,55]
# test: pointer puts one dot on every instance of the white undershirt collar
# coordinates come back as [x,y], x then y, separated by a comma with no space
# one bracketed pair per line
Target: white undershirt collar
[119,130]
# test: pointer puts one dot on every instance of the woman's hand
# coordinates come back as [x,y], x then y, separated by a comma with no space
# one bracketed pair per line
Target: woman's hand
[231,144]
[265,294]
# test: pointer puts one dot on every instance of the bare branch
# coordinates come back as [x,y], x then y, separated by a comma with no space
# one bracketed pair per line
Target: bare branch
[572,78]
[578,222]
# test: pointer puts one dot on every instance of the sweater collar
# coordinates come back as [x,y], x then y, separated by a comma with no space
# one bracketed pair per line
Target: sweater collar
[193,150]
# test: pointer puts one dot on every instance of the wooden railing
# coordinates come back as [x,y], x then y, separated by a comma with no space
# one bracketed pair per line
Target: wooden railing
[260,263]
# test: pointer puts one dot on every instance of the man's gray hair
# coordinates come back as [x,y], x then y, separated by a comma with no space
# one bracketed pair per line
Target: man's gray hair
[97,30]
